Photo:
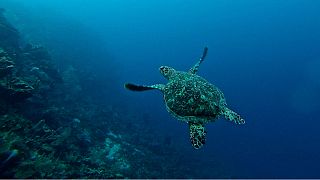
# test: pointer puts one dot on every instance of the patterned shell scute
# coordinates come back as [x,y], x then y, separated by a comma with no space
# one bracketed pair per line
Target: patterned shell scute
[190,97]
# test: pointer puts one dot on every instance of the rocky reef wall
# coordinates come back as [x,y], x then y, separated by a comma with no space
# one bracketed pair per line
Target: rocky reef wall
[50,127]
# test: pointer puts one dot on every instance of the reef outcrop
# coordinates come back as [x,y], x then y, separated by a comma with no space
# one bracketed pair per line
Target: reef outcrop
[50,128]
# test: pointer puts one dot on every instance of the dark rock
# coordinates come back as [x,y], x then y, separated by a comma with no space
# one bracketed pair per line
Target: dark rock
[16,90]
[6,64]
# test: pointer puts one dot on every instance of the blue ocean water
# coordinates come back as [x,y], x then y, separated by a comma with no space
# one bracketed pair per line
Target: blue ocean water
[264,55]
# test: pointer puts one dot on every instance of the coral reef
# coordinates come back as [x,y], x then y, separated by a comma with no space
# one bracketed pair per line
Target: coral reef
[49,128]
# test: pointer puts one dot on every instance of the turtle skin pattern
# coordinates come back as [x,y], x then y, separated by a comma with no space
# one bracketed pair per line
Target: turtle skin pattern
[191,98]
[197,135]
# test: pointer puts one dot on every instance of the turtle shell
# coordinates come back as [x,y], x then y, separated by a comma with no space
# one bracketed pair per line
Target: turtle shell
[190,97]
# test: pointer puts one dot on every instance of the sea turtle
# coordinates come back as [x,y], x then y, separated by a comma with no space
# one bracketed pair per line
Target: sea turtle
[192,99]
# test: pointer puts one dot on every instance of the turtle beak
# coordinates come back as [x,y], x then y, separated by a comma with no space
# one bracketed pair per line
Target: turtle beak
[165,71]
[161,69]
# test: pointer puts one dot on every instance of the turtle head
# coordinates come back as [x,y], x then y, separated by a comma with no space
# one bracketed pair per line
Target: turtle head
[167,71]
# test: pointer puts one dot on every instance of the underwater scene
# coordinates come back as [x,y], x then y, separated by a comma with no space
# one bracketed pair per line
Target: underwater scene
[159,89]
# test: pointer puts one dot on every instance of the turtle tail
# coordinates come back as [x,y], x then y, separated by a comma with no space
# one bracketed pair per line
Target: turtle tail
[197,134]
[232,116]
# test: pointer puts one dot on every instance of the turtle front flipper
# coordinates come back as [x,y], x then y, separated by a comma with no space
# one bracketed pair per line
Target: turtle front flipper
[195,68]
[134,87]
[232,116]
[197,134]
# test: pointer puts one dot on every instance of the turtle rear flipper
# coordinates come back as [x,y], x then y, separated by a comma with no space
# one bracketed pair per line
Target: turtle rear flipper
[197,134]
[232,116]
[134,87]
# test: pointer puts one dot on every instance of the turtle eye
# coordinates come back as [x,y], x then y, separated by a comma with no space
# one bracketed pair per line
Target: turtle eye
[165,70]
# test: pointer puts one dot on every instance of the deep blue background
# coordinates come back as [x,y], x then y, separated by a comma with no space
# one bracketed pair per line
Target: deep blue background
[264,55]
